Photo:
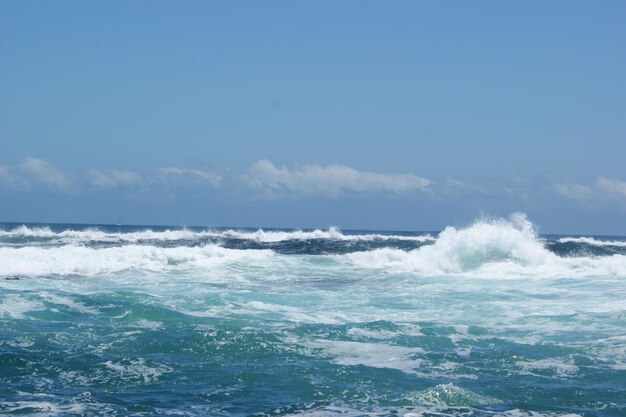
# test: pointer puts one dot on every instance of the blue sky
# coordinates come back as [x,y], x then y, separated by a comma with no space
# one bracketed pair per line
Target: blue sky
[359,114]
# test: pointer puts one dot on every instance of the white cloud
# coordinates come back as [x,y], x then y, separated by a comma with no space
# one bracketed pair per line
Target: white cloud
[603,189]
[113,178]
[40,171]
[330,180]
[210,177]
[574,191]
[612,185]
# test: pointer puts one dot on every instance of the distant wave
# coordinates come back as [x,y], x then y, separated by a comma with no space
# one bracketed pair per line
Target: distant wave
[259,235]
[332,233]
[492,248]
[593,242]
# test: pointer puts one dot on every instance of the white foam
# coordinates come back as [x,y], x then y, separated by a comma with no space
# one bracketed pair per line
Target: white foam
[450,395]
[69,303]
[375,355]
[370,410]
[22,342]
[287,313]
[332,234]
[148,324]
[98,235]
[40,408]
[137,369]
[259,235]
[521,413]
[592,241]
[16,307]
[372,334]
[77,260]
[76,378]
[28,232]
[491,248]
[560,368]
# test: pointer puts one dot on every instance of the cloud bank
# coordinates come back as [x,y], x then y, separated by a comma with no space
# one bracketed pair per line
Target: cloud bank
[602,187]
[34,173]
[266,180]
[329,180]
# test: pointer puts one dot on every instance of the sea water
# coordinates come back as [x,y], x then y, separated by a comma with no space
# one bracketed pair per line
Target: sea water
[487,320]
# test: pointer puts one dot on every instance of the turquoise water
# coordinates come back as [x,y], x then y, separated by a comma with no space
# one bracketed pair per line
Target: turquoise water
[489,320]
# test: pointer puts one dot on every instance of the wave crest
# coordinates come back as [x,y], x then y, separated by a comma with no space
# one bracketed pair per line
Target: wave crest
[490,247]
[260,235]
[593,242]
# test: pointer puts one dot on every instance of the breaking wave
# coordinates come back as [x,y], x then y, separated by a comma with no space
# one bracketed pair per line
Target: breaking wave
[73,260]
[488,247]
[259,235]
[593,242]
[491,248]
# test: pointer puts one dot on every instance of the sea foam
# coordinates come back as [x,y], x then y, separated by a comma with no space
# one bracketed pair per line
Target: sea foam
[82,261]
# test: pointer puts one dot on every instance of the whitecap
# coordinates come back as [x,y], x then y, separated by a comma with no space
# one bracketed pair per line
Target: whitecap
[77,260]
[592,241]
[259,235]
[487,248]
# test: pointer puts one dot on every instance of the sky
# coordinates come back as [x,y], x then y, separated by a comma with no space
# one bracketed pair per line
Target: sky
[388,115]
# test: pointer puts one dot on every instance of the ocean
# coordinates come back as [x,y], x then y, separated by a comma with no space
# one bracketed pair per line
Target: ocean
[490,319]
